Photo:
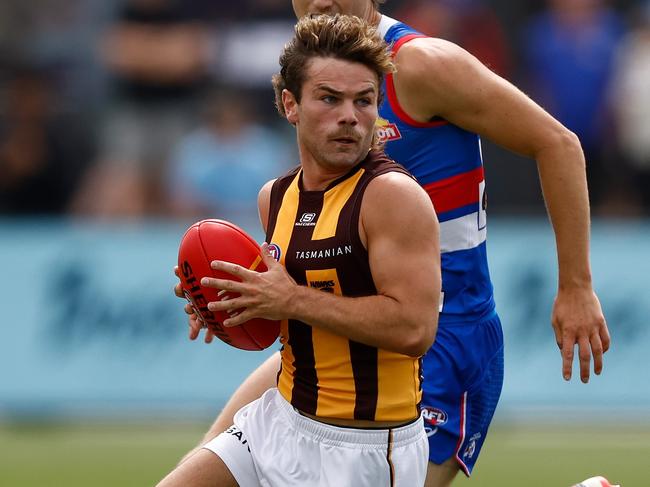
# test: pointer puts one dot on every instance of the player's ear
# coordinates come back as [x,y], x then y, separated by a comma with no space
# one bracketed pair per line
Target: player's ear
[290,106]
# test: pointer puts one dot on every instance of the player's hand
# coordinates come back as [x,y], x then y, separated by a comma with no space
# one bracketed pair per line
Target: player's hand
[195,323]
[578,320]
[262,294]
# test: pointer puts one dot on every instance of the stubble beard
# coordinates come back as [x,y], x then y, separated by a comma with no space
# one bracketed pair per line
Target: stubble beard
[338,158]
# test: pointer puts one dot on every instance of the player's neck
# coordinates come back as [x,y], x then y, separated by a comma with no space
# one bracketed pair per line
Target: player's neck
[318,179]
[317,176]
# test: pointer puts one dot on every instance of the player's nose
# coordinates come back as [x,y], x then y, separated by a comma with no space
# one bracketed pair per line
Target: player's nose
[348,113]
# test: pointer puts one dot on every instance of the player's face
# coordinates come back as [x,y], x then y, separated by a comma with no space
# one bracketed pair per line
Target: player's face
[360,8]
[335,119]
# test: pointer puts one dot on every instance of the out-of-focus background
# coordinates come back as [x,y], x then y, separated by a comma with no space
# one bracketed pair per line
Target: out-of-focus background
[122,122]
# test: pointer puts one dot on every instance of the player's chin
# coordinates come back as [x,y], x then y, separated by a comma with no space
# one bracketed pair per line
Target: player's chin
[346,155]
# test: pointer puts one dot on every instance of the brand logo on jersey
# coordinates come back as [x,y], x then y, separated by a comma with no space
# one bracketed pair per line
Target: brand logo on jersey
[433,418]
[327,286]
[307,220]
[275,251]
[324,253]
[386,131]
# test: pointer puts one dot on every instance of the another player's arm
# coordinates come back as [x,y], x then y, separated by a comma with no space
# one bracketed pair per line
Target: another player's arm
[400,229]
[428,84]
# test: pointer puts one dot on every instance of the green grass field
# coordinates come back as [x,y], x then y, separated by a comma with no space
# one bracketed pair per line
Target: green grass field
[97,455]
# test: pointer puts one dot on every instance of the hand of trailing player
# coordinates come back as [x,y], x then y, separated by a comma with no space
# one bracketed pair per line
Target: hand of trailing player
[262,294]
[578,319]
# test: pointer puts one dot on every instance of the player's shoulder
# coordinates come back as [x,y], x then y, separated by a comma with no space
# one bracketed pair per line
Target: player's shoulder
[396,180]
[395,204]
[431,54]
[384,170]
[395,188]
[265,190]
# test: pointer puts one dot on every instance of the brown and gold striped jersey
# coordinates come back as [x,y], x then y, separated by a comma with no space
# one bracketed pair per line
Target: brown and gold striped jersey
[315,234]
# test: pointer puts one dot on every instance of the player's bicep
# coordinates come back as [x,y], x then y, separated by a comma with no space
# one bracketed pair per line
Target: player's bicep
[441,79]
[489,105]
[403,241]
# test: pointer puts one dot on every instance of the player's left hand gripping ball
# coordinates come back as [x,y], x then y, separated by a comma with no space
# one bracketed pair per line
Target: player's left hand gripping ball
[210,240]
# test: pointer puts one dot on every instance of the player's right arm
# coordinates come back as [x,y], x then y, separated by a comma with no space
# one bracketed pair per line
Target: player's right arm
[399,229]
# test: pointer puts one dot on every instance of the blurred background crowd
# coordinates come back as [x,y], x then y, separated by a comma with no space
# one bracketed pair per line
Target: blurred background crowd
[164,108]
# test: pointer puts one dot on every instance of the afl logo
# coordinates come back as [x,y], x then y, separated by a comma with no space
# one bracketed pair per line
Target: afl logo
[386,131]
[433,417]
[275,251]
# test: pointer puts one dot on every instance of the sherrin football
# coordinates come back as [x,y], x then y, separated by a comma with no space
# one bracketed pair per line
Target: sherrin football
[210,240]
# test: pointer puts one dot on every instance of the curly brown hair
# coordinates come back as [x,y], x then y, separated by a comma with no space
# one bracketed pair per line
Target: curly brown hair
[339,36]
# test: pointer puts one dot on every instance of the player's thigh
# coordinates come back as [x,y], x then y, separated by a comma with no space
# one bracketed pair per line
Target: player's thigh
[203,469]
[441,475]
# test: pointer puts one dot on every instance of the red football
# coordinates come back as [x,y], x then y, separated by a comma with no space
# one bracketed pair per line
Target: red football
[210,240]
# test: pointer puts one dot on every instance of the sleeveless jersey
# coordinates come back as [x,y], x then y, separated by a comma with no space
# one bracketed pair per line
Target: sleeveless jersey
[315,235]
[447,161]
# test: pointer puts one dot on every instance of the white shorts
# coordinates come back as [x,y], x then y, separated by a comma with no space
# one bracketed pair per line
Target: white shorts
[272,445]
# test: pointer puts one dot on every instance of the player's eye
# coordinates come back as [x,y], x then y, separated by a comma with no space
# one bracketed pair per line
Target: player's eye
[364,102]
[329,99]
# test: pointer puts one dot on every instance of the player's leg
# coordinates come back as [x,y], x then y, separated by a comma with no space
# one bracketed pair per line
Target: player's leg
[261,379]
[463,376]
[204,469]
[442,475]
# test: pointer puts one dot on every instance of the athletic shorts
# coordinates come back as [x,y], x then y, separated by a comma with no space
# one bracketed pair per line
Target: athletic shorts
[272,445]
[463,376]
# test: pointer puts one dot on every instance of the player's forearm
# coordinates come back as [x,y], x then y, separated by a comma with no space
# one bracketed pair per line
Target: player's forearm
[563,178]
[379,321]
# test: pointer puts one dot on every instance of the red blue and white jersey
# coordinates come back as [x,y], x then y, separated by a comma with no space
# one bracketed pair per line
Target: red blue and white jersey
[447,162]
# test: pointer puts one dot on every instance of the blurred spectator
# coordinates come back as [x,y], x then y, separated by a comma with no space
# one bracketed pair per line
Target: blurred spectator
[631,104]
[58,35]
[156,54]
[218,169]
[248,52]
[272,9]
[570,50]
[61,35]
[43,152]
[469,23]
[222,13]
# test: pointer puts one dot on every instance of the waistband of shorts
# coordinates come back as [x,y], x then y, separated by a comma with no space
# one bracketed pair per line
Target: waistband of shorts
[467,319]
[351,437]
